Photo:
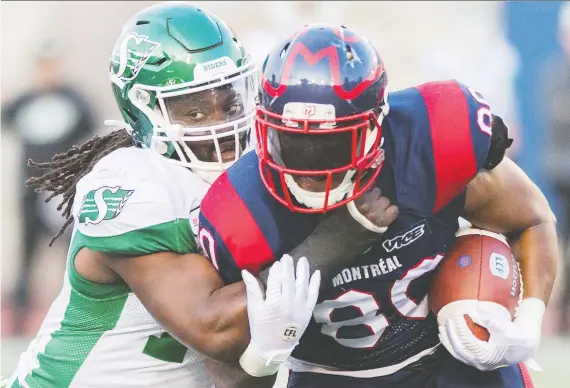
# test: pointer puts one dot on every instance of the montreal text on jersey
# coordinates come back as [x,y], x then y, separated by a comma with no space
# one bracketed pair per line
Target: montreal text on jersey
[383,267]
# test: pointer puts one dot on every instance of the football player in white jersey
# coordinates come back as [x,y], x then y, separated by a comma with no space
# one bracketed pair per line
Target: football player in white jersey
[185,88]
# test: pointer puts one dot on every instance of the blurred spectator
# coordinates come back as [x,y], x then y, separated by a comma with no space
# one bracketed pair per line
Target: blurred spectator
[556,100]
[47,119]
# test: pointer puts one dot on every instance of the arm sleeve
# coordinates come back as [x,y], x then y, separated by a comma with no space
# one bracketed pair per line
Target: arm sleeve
[233,240]
[500,142]
[333,244]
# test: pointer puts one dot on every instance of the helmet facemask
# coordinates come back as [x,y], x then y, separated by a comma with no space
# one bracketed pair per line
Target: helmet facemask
[338,158]
[203,125]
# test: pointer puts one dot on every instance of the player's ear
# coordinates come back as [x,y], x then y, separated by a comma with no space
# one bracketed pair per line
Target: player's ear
[500,142]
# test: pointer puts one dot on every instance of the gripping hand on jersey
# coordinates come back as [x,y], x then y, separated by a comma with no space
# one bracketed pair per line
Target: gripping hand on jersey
[278,319]
[373,211]
[510,342]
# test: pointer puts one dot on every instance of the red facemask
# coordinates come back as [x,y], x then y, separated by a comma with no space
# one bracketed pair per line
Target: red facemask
[366,158]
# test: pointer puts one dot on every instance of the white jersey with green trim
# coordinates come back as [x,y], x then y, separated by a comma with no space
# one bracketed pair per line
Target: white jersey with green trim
[133,202]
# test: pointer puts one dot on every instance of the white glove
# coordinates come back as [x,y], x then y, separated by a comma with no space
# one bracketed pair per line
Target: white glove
[277,321]
[510,342]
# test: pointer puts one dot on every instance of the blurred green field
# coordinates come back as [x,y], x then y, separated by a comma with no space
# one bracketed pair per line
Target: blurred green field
[553,356]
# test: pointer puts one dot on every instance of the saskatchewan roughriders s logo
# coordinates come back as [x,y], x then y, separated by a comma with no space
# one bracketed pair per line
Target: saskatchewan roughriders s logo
[102,204]
[130,54]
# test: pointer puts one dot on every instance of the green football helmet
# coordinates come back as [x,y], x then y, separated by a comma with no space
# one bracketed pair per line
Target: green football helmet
[185,86]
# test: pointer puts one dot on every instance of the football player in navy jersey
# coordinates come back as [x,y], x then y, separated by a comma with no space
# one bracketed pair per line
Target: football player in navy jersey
[329,134]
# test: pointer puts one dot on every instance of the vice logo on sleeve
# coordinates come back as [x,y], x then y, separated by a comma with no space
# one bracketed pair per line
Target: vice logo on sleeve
[104,203]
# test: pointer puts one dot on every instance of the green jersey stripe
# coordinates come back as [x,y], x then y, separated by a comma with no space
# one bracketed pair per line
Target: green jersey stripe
[173,236]
[66,352]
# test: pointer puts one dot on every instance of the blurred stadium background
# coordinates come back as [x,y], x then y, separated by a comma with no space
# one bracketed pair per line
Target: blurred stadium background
[516,53]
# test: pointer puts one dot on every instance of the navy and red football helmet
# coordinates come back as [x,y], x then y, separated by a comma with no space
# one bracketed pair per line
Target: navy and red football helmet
[321,103]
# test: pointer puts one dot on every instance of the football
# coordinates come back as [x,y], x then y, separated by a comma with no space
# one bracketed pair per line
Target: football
[479,268]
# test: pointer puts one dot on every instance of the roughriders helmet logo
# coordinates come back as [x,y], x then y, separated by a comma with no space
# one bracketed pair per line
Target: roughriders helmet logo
[130,55]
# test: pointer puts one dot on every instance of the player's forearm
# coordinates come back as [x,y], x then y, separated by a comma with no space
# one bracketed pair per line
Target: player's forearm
[217,327]
[536,248]
[505,200]
[226,327]
[187,296]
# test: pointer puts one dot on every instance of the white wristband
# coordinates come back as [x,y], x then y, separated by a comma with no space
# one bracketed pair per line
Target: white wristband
[257,366]
[531,310]
[363,220]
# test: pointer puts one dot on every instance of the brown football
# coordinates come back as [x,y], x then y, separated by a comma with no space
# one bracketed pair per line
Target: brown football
[479,268]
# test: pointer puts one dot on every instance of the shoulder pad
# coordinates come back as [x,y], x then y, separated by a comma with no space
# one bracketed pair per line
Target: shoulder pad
[460,130]
[130,211]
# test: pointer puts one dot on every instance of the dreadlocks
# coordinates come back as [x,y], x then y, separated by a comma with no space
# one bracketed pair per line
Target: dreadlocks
[67,168]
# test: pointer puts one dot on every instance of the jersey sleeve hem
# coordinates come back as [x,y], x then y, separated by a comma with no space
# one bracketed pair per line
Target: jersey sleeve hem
[172,236]
[86,287]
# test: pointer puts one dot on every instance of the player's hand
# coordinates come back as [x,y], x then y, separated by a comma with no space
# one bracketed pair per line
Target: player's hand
[510,342]
[278,319]
[373,211]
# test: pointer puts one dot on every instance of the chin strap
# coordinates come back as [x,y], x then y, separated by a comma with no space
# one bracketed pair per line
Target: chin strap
[126,127]
[363,220]
[316,200]
[207,176]
[119,123]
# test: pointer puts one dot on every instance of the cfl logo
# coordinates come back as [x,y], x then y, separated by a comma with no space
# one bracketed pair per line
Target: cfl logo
[290,333]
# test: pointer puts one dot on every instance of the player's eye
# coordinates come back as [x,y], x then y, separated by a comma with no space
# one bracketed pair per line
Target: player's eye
[234,109]
[196,115]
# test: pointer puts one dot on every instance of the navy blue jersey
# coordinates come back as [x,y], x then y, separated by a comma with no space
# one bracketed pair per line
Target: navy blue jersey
[375,313]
